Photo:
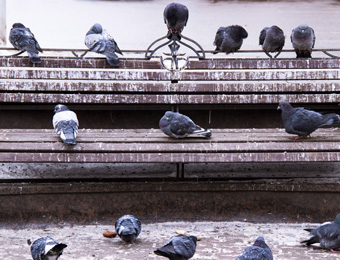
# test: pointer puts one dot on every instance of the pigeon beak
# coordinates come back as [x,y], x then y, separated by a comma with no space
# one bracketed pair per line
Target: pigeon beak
[199,239]
[279,108]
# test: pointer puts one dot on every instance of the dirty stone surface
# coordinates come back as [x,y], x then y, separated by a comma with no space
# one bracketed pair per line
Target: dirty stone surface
[219,240]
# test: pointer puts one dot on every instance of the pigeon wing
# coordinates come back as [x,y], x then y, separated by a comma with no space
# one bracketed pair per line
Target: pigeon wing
[305,120]
[95,42]
[262,36]
[220,34]
[182,125]
[111,43]
[313,35]
[184,246]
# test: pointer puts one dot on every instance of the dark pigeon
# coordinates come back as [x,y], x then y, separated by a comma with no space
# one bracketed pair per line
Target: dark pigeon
[328,235]
[177,125]
[128,227]
[272,39]
[65,123]
[258,251]
[302,122]
[229,39]
[100,41]
[303,40]
[179,247]
[46,248]
[23,39]
[176,17]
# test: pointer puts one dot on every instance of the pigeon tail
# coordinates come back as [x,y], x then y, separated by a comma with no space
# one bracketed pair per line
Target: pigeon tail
[174,36]
[113,61]
[70,138]
[310,241]
[34,58]
[59,247]
[203,132]
[330,119]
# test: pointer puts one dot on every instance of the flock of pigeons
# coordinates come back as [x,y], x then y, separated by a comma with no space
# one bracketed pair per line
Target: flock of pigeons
[183,247]
[228,39]
[297,121]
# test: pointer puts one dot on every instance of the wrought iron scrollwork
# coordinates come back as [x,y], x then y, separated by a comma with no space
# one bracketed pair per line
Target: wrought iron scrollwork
[174,44]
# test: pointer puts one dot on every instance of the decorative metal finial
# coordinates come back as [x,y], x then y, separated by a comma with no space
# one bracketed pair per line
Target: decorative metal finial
[175,56]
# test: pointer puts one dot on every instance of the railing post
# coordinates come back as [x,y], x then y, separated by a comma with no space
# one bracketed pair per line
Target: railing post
[3,35]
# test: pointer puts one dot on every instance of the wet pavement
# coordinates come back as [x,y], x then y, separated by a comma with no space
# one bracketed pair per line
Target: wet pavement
[220,240]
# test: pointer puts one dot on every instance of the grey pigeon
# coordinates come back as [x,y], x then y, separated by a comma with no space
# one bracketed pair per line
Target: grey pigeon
[258,251]
[176,17]
[303,40]
[179,247]
[272,39]
[46,248]
[100,41]
[229,39]
[128,227]
[328,235]
[23,39]
[177,125]
[302,122]
[65,123]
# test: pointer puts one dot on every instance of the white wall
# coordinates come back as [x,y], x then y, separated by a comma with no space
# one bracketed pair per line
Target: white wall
[3,33]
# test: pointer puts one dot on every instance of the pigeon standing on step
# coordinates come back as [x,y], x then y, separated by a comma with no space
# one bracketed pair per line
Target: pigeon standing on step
[177,125]
[272,39]
[46,248]
[302,122]
[328,235]
[303,40]
[258,251]
[229,39]
[100,41]
[176,17]
[128,227]
[65,123]
[23,39]
[179,247]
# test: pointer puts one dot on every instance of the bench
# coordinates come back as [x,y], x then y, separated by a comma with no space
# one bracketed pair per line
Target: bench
[245,91]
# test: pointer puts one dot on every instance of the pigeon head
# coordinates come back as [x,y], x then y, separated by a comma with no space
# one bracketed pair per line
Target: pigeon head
[284,105]
[243,32]
[260,242]
[95,29]
[127,234]
[60,108]
[166,119]
[337,219]
[302,31]
[193,239]
[18,25]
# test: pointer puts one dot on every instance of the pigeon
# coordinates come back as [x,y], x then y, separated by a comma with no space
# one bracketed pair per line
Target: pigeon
[272,39]
[100,41]
[328,235]
[65,123]
[177,125]
[46,248]
[179,247]
[176,17]
[258,251]
[302,122]
[128,227]
[23,39]
[303,40]
[229,39]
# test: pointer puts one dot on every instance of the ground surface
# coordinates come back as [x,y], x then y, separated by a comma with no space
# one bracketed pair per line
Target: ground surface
[220,240]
